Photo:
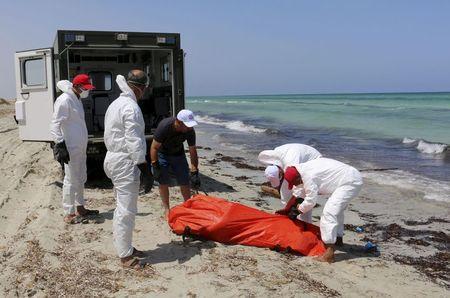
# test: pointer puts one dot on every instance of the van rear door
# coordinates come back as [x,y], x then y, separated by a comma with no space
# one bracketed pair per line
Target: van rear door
[34,93]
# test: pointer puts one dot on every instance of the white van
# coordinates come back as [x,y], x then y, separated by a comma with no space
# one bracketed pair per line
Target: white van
[102,55]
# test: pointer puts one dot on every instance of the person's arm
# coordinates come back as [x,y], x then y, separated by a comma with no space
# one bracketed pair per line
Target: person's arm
[299,191]
[154,150]
[156,168]
[194,158]
[60,115]
[311,194]
[192,150]
[134,140]
[285,192]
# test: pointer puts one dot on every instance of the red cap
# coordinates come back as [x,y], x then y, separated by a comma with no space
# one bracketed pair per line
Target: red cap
[83,80]
[290,175]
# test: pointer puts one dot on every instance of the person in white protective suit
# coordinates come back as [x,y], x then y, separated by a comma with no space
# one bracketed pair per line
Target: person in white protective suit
[69,132]
[125,161]
[325,176]
[280,158]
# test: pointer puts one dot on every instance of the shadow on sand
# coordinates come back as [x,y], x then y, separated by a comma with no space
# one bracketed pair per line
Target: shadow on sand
[353,251]
[108,215]
[212,185]
[177,251]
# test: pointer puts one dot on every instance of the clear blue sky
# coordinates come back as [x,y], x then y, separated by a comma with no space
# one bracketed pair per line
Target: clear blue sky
[262,47]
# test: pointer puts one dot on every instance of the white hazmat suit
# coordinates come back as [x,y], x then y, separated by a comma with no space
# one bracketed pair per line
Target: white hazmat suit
[125,141]
[68,125]
[341,182]
[289,155]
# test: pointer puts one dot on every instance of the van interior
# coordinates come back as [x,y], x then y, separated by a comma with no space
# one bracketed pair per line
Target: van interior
[104,65]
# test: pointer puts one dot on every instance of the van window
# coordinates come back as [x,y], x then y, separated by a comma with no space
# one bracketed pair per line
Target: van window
[165,70]
[34,72]
[102,80]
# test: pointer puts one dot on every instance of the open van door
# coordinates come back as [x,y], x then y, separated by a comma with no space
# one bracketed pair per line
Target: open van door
[34,93]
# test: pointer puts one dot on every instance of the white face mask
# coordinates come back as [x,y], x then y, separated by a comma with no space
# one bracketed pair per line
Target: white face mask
[84,93]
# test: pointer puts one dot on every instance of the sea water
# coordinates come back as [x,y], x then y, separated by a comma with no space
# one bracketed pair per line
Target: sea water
[408,132]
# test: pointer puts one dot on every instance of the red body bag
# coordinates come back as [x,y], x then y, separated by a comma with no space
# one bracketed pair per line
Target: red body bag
[232,223]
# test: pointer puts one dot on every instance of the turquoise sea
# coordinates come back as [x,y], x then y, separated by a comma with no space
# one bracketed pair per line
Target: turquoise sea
[408,131]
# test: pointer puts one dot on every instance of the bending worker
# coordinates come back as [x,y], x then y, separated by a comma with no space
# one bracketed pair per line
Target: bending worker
[70,135]
[280,158]
[125,160]
[329,177]
[167,153]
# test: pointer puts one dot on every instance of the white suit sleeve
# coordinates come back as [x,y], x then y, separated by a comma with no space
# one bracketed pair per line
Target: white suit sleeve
[133,137]
[298,192]
[60,115]
[311,194]
[285,193]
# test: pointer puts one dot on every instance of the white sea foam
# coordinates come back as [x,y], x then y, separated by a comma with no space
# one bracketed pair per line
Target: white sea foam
[233,125]
[431,148]
[426,147]
[408,141]
[432,189]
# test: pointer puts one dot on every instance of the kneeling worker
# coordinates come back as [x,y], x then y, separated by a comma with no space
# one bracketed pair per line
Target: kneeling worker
[167,153]
[326,176]
[280,158]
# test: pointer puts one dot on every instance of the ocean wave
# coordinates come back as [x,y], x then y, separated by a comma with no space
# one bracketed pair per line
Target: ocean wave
[425,146]
[233,125]
[432,189]
[431,148]
[236,101]
[409,141]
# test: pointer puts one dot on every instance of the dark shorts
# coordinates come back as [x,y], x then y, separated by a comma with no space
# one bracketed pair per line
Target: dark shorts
[176,165]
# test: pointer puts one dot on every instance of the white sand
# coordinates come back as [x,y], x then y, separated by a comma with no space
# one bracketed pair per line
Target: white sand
[40,255]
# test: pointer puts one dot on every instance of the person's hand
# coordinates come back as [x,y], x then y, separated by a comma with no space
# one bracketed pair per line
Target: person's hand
[146,177]
[294,212]
[282,211]
[60,153]
[156,169]
[195,180]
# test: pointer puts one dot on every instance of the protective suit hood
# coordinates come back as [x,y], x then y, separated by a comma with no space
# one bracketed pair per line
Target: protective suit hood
[270,157]
[65,86]
[126,90]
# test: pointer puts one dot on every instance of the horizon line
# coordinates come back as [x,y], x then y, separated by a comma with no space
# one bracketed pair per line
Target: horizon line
[343,93]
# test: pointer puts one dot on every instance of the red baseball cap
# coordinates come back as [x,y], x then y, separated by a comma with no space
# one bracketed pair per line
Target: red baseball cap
[83,80]
[290,175]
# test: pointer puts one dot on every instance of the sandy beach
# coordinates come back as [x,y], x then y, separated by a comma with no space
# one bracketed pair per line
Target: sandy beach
[41,256]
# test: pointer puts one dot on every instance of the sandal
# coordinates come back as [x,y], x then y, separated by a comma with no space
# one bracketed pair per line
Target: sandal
[89,212]
[77,219]
[133,263]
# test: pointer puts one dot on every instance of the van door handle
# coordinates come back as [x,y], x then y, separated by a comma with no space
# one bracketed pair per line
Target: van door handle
[24,93]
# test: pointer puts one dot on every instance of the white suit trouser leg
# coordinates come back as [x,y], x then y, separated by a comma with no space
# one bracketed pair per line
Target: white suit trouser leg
[332,219]
[74,180]
[125,177]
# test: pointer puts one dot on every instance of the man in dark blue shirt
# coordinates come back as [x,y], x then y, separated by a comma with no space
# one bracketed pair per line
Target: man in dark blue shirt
[167,153]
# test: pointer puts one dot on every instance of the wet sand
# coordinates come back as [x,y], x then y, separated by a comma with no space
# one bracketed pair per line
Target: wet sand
[42,256]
